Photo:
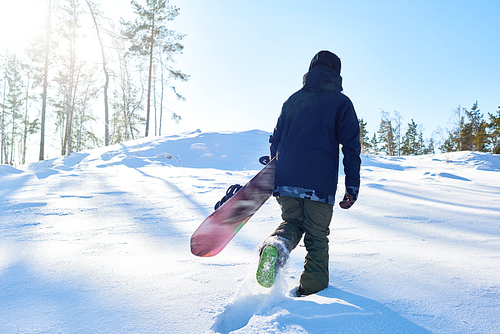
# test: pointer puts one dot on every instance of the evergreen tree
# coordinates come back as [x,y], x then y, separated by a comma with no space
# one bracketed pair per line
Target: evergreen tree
[494,132]
[363,137]
[374,144]
[411,140]
[474,131]
[469,132]
[430,147]
[148,33]
[386,135]
[420,149]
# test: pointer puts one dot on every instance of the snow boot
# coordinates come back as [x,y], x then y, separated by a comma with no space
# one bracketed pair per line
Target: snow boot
[274,253]
[266,271]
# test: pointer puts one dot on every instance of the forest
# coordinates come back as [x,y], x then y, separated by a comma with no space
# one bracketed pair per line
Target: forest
[54,91]
[53,88]
[469,132]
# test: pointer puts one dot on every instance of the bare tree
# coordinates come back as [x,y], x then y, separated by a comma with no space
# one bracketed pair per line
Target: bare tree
[128,98]
[397,130]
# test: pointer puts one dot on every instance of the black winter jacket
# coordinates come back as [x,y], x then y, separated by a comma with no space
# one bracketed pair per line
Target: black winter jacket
[312,124]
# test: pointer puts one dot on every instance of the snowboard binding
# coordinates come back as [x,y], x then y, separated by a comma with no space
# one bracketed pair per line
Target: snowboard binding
[230,192]
[265,159]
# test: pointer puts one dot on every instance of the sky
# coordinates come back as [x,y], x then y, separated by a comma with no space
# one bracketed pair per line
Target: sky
[422,59]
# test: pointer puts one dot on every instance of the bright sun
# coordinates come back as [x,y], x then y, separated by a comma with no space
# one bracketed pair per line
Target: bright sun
[21,21]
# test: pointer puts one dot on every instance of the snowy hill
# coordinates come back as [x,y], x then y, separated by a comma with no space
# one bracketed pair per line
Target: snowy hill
[99,243]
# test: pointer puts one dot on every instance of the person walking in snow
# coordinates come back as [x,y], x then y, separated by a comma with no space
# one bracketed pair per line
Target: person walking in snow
[313,122]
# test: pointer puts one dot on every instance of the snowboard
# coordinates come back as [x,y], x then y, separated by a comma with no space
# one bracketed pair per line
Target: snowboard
[222,225]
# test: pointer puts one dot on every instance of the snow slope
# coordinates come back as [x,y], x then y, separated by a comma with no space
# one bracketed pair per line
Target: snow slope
[99,243]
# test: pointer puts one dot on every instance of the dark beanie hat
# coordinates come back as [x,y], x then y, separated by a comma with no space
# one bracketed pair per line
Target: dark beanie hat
[326,58]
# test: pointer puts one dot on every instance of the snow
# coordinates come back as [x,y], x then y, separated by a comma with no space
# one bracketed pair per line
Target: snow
[98,242]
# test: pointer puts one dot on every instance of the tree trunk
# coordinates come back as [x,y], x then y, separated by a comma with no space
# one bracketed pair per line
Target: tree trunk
[150,73]
[106,74]
[69,109]
[11,162]
[45,84]
[125,115]
[70,101]
[26,122]
[161,98]
[3,147]
[154,101]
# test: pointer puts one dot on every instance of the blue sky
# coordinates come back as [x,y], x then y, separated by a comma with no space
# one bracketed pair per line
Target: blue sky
[420,58]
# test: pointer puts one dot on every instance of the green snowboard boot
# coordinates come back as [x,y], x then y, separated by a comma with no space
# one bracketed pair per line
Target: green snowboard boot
[266,271]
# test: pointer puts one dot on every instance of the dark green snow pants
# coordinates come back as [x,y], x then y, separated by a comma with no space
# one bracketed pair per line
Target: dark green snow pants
[311,218]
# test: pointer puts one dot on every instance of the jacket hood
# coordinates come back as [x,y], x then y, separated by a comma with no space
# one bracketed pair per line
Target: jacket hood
[322,79]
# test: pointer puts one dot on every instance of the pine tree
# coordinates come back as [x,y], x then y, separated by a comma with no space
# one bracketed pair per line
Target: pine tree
[413,141]
[410,143]
[363,137]
[148,33]
[420,144]
[430,147]
[469,132]
[474,131]
[386,135]
[374,144]
[494,132]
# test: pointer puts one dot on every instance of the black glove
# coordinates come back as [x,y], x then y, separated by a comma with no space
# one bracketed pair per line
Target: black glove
[351,195]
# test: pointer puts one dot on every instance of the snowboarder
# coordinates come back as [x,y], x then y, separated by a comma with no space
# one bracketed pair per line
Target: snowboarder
[312,124]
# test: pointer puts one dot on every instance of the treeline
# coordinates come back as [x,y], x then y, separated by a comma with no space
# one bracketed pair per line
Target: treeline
[52,88]
[469,132]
